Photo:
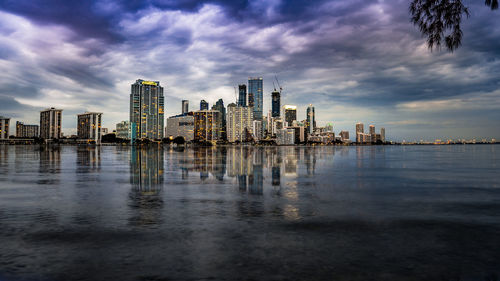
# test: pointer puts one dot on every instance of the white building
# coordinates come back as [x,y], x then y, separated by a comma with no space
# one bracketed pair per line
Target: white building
[89,126]
[257,130]
[239,122]
[180,125]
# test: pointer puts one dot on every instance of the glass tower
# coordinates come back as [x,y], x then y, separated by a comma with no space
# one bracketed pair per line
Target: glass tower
[311,119]
[255,96]
[242,98]
[275,100]
[146,110]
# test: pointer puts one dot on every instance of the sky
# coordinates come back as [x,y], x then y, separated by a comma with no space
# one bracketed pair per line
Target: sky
[355,61]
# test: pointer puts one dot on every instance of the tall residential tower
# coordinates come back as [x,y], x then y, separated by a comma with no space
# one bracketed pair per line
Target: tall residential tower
[147,107]
[51,123]
[255,91]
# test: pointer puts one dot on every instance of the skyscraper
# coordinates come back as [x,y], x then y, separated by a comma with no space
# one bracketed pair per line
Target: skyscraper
[4,127]
[26,131]
[146,110]
[89,126]
[239,122]
[203,105]
[290,114]
[255,90]
[382,134]
[185,106]
[311,119]
[359,132]
[51,123]
[275,103]
[372,133]
[205,125]
[242,97]
[219,106]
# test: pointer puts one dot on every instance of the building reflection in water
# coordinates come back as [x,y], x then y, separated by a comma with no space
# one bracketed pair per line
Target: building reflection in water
[146,178]
[50,164]
[88,158]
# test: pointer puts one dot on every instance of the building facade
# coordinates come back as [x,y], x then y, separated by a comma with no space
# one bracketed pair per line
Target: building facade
[203,105]
[219,106]
[257,129]
[242,95]
[51,123]
[285,136]
[255,90]
[4,127]
[382,134]
[311,119]
[344,136]
[123,130]
[205,125]
[289,114]
[26,131]
[147,106]
[275,103]
[372,132]
[89,126]
[239,122]
[180,126]
[185,106]
[359,131]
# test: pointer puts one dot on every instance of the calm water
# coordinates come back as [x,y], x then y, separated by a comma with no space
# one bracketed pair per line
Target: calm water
[245,213]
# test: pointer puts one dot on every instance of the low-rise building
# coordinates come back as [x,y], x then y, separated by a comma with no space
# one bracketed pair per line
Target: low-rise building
[123,130]
[26,131]
[180,126]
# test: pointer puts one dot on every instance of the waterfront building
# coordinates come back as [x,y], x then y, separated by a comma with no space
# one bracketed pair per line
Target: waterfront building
[242,97]
[359,131]
[123,130]
[219,106]
[329,128]
[181,125]
[311,119]
[285,136]
[203,105]
[51,123]
[89,126]
[185,106]
[147,110]
[276,125]
[372,132]
[257,130]
[344,136]
[4,127]
[205,125]
[239,122]
[290,114]
[255,96]
[26,131]
[382,134]
[275,103]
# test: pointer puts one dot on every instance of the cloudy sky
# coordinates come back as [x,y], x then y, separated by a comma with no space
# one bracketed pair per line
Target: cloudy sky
[356,61]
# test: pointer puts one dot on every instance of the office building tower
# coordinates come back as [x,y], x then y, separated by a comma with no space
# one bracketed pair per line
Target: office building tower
[382,134]
[205,125]
[185,106]
[4,127]
[51,123]
[26,131]
[181,126]
[203,105]
[255,90]
[89,126]
[257,130]
[146,110]
[123,130]
[289,114]
[311,119]
[219,106]
[275,103]
[239,122]
[285,136]
[359,131]
[372,133]
[242,95]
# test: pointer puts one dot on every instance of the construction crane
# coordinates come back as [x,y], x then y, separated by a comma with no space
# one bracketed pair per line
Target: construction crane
[276,77]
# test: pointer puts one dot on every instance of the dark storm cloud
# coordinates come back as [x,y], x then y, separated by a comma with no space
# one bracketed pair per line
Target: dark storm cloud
[362,58]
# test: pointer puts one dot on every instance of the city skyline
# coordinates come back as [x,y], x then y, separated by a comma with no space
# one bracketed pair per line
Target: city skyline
[341,65]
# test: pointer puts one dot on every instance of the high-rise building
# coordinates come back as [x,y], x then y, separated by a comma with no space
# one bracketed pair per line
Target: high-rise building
[26,131]
[89,126]
[311,119]
[359,131]
[205,125]
[123,130]
[147,106]
[372,133]
[4,127]
[219,106]
[344,136]
[275,103]
[239,122]
[185,106]
[181,125]
[255,90]
[286,136]
[290,114]
[242,95]
[203,105]
[257,130]
[382,134]
[51,123]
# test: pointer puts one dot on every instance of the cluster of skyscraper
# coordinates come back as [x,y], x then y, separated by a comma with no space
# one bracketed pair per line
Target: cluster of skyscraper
[371,137]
